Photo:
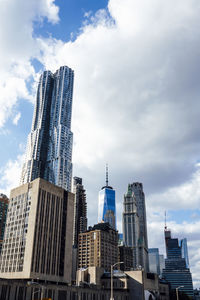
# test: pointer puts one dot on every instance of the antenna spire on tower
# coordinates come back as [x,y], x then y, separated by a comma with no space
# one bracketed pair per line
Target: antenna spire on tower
[165,220]
[106,174]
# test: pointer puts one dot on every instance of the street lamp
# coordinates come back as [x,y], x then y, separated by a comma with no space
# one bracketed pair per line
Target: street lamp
[111,279]
[181,286]
[29,283]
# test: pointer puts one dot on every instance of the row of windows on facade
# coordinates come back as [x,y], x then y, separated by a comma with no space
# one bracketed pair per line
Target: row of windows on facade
[14,247]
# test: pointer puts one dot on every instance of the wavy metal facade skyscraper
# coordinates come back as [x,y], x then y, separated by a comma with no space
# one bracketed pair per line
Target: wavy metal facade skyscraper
[49,147]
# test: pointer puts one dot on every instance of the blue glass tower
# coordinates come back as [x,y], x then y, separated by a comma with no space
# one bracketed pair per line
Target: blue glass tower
[49,146]
[107,210]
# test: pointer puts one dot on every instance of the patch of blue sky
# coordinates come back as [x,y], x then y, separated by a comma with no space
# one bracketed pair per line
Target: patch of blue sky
[72,15]
[37,66]
[183,215]
[15,136]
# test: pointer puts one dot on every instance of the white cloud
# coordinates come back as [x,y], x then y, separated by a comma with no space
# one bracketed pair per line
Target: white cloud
[10,175]
[186,194]
[17,118]
[18,47]
[134,89]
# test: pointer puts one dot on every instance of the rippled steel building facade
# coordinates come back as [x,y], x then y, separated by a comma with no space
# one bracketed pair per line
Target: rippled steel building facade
[49,147]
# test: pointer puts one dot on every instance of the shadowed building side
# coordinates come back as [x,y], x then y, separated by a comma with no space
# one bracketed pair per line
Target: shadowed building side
[3,214]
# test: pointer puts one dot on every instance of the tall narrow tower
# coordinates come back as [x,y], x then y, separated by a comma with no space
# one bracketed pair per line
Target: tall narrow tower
[49,146]
[3,213]
[136,189]
[130,221]
[80,209]
[107,210]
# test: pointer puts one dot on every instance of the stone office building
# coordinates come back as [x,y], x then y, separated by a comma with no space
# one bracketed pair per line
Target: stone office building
[38,235]
[98,247]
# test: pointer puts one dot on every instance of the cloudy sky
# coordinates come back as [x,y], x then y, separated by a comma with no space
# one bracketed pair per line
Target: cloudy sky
[136,102]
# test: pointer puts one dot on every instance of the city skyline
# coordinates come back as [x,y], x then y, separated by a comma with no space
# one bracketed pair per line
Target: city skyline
[136,102]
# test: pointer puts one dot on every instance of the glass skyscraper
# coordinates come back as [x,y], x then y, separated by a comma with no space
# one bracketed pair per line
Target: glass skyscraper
[184,251]
[49,146]
[176,271]
[107,210]
[154,260]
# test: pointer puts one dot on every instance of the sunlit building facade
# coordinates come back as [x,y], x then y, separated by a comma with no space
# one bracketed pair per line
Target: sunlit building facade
[49,146]
[98,247]
[39,233]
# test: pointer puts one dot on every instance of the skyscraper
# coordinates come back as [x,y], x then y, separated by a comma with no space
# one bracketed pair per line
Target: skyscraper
[176,272]
[80,219]
[80,209]
[137,188]
[154,260]
[107,210]
[130,223]
[38,235]
[3,213]
[184,251]
[162,263]
[136,196]
[49,146]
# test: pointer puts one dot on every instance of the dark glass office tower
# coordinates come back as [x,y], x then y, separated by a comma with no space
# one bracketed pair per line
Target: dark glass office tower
[107,210]
[3,214]
[80,209]
[80,219]
[49,146]
[176,271]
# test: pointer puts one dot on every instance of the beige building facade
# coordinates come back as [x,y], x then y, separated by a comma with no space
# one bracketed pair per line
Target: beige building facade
[98,247]
[38,235]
